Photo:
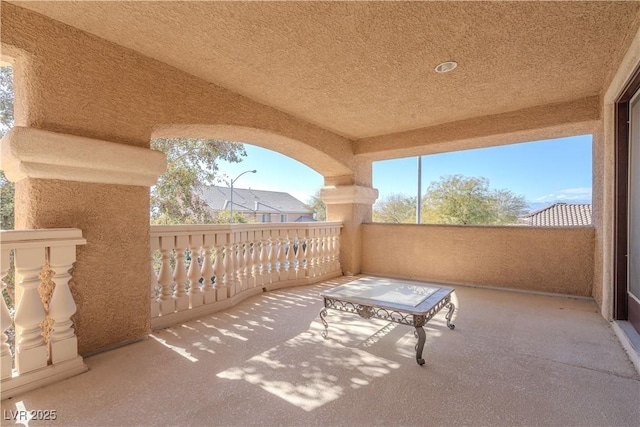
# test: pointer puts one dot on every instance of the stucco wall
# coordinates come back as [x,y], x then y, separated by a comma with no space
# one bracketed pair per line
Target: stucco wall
[599,207]
[76,83]
[558,260]
[112,275]
[351,249]
[604,194]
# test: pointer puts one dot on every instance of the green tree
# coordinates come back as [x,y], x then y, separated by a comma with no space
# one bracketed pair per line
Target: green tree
[317,206]
[456,199]
[7,189]
[6,99]
[191,164]
[7,192]
[395,208]
[508,207]
[223,217]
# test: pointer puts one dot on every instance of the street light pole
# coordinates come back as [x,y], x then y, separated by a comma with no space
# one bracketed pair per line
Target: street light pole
[231,185]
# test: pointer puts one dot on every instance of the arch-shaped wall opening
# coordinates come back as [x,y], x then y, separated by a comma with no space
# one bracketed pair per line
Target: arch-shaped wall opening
[306,154]
[276,173]
[7,188]
[282,188]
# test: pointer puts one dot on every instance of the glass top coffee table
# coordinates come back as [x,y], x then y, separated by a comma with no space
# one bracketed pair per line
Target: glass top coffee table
[399,301]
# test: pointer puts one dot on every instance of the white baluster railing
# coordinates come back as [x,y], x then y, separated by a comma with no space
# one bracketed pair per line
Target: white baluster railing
[211,274]
[282,244]
[229,271]
[218,278]
[240,267]
[180,273]
[299,248]
[247,273]
[291,272]
[63,343]
[264,260]
[154,244]
[6,321]
[233,262]
[39,356]
[255,261]
[196,295]
[165,277]
[273,256]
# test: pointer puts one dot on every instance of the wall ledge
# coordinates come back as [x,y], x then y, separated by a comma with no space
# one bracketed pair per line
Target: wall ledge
[36,153]
[348,194]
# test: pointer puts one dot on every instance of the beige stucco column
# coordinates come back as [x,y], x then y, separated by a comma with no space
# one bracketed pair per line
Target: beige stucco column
[102,188]
[350,204]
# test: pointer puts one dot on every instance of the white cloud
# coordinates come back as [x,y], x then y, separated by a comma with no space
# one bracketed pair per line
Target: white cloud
[567,194]
[546,197]
[578,190]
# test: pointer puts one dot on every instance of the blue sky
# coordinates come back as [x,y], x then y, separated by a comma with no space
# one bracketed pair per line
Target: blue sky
[542,171]
[275,172]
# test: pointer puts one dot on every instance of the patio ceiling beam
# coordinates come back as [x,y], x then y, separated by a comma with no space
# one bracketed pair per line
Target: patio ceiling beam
[581,116]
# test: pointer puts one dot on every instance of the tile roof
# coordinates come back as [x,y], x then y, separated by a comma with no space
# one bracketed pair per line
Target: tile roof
[560,215]
[248,200]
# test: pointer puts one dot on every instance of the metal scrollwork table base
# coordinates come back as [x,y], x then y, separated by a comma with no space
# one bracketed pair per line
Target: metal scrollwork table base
[403,302]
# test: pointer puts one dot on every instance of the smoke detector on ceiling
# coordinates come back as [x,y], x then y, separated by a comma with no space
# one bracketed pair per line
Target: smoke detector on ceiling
[445,67]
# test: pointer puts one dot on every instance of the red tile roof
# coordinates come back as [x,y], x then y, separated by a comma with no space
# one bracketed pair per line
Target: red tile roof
[560,215]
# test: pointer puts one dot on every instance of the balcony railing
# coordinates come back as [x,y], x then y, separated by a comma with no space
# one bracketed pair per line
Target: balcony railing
[200,269]
[45,347]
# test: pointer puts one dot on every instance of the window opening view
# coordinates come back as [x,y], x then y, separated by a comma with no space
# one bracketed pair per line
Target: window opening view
[213,181]
[541,183]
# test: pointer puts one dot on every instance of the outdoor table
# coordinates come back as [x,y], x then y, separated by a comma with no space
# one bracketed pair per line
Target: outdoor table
[403,302]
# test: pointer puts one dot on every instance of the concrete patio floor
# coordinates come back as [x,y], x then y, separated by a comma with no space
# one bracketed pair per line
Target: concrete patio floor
[513,359]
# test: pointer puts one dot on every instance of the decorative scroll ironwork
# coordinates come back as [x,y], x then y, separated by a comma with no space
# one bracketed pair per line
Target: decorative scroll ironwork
[367,312]
[449,314]
[415,320]
[419,333]
[323,314]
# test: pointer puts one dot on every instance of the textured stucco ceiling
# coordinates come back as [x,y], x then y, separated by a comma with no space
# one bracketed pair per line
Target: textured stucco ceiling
[365,69]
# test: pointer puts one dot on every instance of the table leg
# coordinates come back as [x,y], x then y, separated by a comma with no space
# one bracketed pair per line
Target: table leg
[323,314]
[419,333]
[448,316]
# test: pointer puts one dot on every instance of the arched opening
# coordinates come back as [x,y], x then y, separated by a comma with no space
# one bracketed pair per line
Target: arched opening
[7,188]
[268,184]
[315,157]
[244,230]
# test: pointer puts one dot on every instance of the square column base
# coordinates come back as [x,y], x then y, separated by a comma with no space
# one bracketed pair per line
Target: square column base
[64,350]
[196,300]
[210,296]
[221,293]
[168,306]
[5,365]
[31,359]
[182,303]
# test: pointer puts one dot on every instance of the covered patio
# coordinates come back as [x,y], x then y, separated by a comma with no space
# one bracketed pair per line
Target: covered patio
[514,359]
[543,312]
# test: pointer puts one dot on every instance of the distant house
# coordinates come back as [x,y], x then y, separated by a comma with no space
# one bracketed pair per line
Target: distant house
[263,206]
[559,215]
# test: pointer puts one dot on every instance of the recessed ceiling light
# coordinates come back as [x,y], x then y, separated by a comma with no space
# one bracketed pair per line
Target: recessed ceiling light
[445,67]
